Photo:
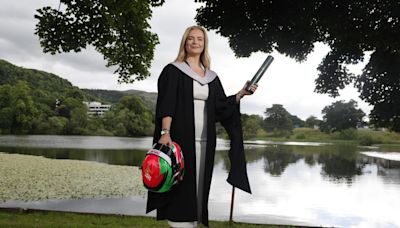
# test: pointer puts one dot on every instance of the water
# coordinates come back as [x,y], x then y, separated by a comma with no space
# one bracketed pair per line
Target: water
[314,184]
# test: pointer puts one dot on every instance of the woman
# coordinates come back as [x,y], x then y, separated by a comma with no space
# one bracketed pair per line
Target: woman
[190,100]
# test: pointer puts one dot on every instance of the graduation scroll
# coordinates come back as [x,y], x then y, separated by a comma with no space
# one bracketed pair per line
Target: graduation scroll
[260,72]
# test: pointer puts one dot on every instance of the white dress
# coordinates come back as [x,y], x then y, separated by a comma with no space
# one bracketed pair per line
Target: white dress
[200,96]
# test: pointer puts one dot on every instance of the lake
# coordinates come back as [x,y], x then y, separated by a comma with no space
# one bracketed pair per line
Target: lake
[301,183]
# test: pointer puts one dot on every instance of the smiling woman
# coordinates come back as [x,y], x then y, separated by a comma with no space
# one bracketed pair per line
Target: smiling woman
[190,101]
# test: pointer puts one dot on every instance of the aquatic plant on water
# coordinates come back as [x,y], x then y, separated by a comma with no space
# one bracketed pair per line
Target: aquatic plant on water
[32,178]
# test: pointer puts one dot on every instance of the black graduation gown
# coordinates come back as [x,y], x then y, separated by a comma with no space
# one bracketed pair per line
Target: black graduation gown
[175,99]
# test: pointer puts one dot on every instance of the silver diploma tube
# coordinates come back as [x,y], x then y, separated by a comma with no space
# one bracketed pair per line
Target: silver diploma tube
[260,72]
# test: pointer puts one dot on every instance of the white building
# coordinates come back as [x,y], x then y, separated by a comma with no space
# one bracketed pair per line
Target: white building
[96,108]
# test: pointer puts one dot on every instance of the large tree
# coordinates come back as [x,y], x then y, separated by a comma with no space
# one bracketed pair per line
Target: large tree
[119,30]
[349,28]
[341,115]
[17,110]
[277,119]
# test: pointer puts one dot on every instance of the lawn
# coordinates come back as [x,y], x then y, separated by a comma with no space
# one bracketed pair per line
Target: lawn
[44,219]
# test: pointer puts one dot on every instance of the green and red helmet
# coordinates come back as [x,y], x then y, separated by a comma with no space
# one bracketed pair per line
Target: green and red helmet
[163,167]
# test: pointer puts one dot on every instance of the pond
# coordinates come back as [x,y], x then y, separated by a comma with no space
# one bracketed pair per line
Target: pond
[300,183]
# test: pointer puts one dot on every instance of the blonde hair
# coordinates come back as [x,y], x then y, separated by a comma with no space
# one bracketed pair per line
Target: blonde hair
[204,56]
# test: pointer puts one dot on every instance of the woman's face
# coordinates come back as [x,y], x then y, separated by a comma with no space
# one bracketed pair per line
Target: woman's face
[194,42]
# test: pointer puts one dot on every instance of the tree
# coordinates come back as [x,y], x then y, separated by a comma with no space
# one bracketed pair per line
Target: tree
[117,29]
[312,121]
[6,113]
[78,121]
[349,28]
[277,118]
[252,124]
[17,110]
[129,117]
[296,121]
[57,124]
[340,115]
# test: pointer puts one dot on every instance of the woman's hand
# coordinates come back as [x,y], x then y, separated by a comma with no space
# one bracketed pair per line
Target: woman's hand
[243,92]
[165,139]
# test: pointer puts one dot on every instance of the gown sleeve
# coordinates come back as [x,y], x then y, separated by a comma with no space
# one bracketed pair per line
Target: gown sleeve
[228,113]
[166,103]
[167,92]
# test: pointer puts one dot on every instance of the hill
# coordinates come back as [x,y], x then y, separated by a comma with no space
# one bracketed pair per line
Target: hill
[36,79]
[37,102]
[113,96]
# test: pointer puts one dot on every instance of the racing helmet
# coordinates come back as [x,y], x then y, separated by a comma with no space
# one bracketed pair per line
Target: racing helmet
[163,167]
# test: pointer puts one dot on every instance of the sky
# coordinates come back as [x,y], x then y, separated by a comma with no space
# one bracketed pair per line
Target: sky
[286,81]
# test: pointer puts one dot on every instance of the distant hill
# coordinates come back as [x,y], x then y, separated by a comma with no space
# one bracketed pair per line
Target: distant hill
[11,74]
[36,79]
[113,96]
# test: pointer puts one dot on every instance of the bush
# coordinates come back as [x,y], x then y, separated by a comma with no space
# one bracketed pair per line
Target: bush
[281,133]
[301,136]
[348,134]
[368,140]
[103,132]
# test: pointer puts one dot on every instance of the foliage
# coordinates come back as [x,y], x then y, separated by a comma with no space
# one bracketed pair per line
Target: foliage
[105,96]
[296,121]
[380,86]
[368,140]
[39,80]
[120,32]
[340,115]
[277,119]
[348,134]
[312,121]
[17,110]
[43,103]
[349,28]
[301,136]
[113,96]
[129,117]
[252,125]
[309,134]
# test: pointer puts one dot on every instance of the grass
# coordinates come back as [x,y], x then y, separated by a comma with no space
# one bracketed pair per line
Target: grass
[364,137]
[44,219]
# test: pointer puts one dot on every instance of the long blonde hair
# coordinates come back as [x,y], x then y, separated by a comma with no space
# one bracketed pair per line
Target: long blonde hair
[204,56]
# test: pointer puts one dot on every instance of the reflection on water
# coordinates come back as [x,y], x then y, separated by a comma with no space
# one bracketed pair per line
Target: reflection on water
[328,185]
[394,156]
[114,157]
[79,142]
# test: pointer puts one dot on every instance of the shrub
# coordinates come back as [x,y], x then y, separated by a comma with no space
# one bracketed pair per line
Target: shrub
[368,140]
[301,136]
[348,134]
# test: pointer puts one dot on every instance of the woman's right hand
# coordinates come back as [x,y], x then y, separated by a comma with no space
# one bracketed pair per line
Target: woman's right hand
[165,139]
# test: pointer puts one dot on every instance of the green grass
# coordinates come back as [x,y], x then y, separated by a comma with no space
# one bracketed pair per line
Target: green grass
[66,219]
[360,136]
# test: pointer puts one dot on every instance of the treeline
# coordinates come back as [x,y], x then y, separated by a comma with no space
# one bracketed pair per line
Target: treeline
[36,102]
[278,122]
[113,96]
[24,110]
